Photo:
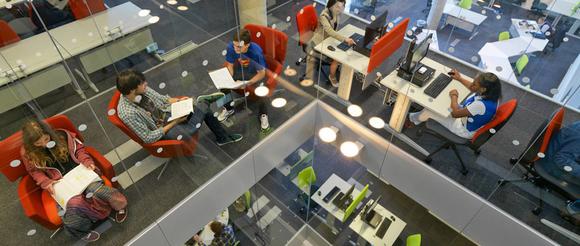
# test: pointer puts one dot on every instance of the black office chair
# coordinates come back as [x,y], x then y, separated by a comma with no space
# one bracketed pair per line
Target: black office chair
[502,115]
[536,173]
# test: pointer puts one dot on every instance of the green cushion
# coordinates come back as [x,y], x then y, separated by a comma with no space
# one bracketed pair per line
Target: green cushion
[466,4]
[414,240]
[504,36]
[521,63]
[306,177]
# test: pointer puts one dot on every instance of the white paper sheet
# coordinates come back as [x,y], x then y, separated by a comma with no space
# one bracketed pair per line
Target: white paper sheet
[181,108]
[222,79]
[73,183]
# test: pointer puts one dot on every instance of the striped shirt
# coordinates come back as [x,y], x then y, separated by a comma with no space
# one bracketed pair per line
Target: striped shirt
[145,117]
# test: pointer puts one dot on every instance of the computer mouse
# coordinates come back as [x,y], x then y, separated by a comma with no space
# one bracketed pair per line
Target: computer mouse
[331,48]
[451,73]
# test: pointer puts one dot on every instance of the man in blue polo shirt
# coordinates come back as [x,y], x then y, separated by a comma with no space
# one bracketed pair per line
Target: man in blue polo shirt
[245,62]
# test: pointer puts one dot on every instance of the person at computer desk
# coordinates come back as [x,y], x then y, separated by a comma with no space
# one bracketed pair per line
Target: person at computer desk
[545,27]
[563,156]
[475,111]
[146,112]
[51,16]
[48,154]
[245,62]
[327,26]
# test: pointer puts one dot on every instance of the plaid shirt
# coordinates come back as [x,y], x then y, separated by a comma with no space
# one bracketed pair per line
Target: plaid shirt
[225,239]
[137,116]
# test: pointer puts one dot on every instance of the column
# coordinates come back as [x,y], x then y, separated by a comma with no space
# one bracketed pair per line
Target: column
[252,12]
[435,13]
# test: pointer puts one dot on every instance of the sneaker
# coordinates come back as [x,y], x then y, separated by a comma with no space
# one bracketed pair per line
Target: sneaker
[92,236]
[225,114]
[121,215]
[231,139]
[333,81]
[210,98]
[264,124]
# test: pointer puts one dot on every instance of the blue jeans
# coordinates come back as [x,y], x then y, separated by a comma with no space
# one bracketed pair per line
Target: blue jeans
[201,113]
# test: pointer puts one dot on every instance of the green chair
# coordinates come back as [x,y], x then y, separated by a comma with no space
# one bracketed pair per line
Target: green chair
[504,36]
[306,177]
[466,4]
[248,197]
[414,240]
[521,64]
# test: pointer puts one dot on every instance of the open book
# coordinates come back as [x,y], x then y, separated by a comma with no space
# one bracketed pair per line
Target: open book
[73,183]
[181,108]
[222,79]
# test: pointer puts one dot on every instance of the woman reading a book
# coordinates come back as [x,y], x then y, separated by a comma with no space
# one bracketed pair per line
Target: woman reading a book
[50,154]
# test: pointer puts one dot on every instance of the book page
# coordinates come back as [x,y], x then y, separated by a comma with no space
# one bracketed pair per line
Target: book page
[73,183]
[222,79]
[181,108]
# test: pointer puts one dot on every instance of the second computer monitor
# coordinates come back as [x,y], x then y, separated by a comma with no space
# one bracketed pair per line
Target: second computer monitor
[375,29]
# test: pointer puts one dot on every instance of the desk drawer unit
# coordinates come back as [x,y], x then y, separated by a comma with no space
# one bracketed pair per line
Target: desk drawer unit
[116,50]
[25,89]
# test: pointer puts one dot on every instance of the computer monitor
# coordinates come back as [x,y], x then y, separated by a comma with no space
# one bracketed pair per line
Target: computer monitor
[415,54]
[373,205]
[375,29]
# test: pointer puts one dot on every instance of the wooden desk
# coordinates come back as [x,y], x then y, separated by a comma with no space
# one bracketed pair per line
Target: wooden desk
[407,92]
[351,60]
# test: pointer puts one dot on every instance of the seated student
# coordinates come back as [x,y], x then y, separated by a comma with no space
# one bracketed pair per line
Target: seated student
[145,111]
[563,156]
[223,235]
[545,27]
[327,26]
[476,111]
[51,16]
[245,62]
[47,164]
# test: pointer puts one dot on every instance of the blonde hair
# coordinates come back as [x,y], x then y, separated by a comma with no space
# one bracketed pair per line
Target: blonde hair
[32,131]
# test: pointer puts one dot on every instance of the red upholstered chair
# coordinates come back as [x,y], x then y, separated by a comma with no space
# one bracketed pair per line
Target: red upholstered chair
[502,115]
[84,8]
[161,148]
[528,159]
[7,34]
[37,204]
[273,44]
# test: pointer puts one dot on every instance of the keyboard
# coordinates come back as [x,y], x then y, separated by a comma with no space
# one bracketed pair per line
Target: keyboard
[436,87]
[357,39]
[383,228]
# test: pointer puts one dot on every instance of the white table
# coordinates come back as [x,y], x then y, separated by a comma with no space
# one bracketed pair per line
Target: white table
[351,60]
[521,27]
[331,182]
[206,234]
[500,66]
[97,41]
[368,233]
[462,18]
[407,92]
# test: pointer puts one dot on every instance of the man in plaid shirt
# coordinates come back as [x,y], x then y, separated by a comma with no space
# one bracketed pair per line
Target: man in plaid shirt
[223,235]
[146,112]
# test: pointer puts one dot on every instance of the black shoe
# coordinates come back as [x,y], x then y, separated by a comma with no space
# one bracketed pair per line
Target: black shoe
[231,139]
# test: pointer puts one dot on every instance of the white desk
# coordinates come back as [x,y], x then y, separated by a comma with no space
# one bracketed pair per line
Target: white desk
[368,233]
[331,182]
[521,27]
[407,92]
[462,18]
[351,60]
[97,41]
[206,234]
[500,66]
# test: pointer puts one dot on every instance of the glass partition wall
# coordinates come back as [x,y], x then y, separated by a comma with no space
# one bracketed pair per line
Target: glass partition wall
[302,137]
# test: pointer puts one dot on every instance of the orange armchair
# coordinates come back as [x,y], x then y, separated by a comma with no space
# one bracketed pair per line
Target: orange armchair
[161,148]
[37,204]
[7,34]
[84,8]
[273,44]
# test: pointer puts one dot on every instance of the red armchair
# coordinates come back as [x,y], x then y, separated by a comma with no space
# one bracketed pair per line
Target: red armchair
[161,148]
[7,34]
[84,8]
[37,204]
[273,44]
